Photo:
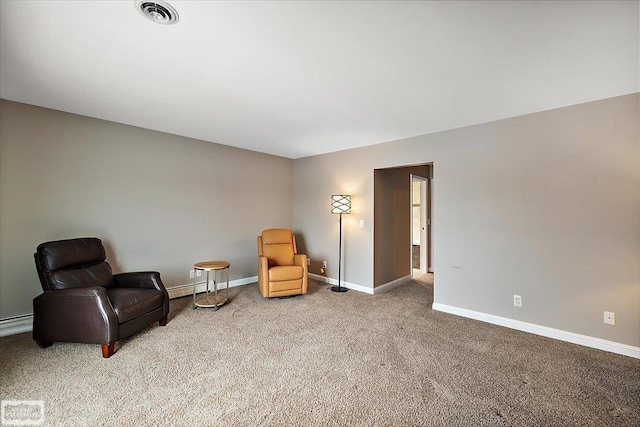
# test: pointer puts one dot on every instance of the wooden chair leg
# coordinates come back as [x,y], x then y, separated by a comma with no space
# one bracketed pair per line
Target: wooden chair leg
[44,344]
[108,350]
[163,321]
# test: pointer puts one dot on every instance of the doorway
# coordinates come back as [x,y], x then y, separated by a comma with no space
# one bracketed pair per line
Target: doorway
[392,223]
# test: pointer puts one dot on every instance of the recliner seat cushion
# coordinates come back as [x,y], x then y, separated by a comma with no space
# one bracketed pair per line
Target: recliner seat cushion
[130,303]
[285,272]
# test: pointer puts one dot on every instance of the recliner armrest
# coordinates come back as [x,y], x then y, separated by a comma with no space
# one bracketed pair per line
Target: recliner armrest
[263,275]
[143,280]
[75,315]
[140,279]
[301,260]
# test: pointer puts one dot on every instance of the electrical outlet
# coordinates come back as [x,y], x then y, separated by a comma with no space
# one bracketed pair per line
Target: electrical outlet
[308,261]
[517,301]
[190,274]
[324,264]
[609,318]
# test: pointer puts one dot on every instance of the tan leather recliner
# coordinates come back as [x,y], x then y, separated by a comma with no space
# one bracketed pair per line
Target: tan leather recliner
[281,270]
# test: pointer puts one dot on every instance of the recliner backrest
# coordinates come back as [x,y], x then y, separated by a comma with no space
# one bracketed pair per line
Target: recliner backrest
[72,263]
[278,245]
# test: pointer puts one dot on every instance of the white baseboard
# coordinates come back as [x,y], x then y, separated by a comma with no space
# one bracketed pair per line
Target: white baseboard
[319,277]
[184,290]
[365,289]
[348,285]
[16,325]
[585,340]
[390,285]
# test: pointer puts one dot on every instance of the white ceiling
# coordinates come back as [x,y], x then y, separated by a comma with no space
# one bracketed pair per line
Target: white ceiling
[296,79]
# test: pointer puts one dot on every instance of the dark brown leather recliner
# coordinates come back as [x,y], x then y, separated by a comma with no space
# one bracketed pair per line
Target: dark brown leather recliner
[282,271]
[84,302]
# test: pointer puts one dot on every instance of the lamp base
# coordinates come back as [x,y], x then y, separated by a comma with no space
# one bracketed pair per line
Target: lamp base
[339,289]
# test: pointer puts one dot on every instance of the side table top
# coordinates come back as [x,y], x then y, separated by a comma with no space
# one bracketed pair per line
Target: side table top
[211,265]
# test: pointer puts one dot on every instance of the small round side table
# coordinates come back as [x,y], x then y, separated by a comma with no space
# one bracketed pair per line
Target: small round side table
[208,299]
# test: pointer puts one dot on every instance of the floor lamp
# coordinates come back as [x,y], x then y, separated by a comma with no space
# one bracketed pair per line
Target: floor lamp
[340,204]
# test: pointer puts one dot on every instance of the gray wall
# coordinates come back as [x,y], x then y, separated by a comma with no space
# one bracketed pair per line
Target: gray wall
[315,180]
[158,201]
[545,205]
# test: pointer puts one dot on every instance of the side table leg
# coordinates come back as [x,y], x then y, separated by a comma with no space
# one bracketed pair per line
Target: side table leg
[215,289]
[194,288]
[207,293]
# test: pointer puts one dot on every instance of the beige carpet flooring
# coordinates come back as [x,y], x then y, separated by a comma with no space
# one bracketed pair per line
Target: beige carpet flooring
[324,359]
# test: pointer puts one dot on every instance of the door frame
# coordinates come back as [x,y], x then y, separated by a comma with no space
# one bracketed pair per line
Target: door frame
[424,224]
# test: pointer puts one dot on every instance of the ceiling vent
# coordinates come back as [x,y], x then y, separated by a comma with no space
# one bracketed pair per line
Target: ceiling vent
[157,11]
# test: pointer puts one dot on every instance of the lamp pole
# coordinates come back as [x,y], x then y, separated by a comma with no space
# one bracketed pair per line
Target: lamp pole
[340,203]
[339,288]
